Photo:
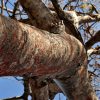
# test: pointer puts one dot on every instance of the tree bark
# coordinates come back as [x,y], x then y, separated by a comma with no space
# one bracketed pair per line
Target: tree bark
[34,52]
[89,18]
[27,48]
[37,9]
[93,40]
[38,92]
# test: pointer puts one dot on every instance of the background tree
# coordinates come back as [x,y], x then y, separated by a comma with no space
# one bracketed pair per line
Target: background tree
[54,42]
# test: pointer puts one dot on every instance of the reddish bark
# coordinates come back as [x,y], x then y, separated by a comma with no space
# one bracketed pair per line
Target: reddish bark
[28,50]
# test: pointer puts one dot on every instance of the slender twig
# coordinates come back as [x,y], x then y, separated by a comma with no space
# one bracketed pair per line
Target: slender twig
[93,40]
[15,9]
[2,6]
[67,4]
[8,10]
[15,98]
[6,6]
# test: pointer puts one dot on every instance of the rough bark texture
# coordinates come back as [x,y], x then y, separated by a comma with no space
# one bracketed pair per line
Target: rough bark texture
[39,93]
[28,50]
[37,10]
[25,47]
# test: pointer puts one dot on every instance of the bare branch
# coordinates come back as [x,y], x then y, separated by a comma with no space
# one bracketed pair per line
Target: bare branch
[81,17]
[37,9]
[67,21]
[15,9]
[93,51]
[26,88]
[9,10]
[92,74]
[93,40]
[89,18]
[2,6]
[15,98]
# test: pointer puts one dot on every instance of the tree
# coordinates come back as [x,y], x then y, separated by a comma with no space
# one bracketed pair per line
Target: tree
[45,47]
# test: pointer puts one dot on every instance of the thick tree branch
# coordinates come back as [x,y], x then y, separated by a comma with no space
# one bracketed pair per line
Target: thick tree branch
[93,40]
[37,9]
[69,25]
[27,50]
[23,48]
[81,17]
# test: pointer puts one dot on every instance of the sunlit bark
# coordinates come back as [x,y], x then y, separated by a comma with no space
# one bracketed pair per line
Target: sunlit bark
[28,50]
